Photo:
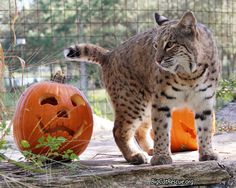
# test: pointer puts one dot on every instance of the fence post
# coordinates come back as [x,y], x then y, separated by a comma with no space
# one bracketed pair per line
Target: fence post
[83,78]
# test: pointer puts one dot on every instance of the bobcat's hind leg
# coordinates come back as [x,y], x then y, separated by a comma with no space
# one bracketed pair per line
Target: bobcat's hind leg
[143,136]
[124,131]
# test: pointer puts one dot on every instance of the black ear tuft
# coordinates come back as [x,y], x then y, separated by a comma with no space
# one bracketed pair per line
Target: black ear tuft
[160,19]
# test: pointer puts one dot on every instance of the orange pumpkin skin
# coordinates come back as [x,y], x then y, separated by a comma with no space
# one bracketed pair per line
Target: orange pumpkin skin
[183,131]
[50,108]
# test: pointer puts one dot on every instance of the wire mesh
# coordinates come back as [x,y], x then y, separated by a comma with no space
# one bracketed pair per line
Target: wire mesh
[44,27]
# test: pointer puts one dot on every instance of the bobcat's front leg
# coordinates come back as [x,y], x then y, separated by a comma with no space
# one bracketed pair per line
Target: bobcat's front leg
[161,127]
[204,131]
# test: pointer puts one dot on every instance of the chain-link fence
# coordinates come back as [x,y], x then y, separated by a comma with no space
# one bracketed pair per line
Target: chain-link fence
[38,30]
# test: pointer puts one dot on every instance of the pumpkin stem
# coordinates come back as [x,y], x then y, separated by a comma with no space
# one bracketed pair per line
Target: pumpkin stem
[59,77]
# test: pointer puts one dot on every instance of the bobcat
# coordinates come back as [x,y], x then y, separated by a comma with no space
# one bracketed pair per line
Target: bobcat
[172,65]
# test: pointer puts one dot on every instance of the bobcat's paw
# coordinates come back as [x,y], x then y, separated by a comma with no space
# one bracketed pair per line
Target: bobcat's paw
[161,160]
[209,157]
[137,159]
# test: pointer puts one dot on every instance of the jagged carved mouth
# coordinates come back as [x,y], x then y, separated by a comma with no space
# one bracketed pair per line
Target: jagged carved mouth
[51,128]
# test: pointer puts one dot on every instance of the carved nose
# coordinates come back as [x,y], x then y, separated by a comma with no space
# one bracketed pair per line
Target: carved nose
[62,113]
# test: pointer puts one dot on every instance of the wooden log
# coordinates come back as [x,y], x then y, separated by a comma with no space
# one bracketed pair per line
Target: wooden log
[179,174]
[187,174]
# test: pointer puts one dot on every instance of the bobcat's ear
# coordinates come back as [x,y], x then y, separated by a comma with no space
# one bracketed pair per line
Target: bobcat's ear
[188,22]
[160,19]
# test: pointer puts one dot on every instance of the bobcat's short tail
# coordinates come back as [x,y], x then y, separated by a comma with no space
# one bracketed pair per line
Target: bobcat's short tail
[86,52]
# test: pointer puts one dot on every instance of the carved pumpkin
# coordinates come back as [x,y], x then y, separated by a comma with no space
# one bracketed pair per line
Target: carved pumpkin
[183,132]
[55,109]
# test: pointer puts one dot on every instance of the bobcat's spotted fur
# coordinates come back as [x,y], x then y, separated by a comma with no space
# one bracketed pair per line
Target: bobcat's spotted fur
[173,65]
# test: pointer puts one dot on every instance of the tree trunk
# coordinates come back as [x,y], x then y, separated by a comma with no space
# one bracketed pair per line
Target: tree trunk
[51,70]
[69,75]
[233,64]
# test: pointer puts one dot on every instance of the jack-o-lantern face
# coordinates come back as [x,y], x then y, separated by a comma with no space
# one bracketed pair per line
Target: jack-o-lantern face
[50,108]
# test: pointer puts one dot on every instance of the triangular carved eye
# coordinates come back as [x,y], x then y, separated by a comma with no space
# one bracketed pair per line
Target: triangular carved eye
[49,100]
[77,100]
[73,103]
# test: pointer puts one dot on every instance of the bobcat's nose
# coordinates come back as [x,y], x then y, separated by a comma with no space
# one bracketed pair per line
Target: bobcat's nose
[193,67]
[159,59]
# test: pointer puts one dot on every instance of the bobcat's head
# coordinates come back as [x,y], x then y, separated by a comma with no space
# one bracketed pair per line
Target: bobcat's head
[176,43]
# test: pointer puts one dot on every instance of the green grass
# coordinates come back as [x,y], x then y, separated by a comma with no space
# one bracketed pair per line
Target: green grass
[99,94]
[9,100]
[100,104]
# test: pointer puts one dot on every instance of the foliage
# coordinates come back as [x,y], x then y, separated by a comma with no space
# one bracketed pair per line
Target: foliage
[4,130]
[100,104]
[53,143]
[4,127]
[2,144]
[227,90]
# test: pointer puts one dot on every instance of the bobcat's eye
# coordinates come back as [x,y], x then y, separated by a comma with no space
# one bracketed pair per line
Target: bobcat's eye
[169,45]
